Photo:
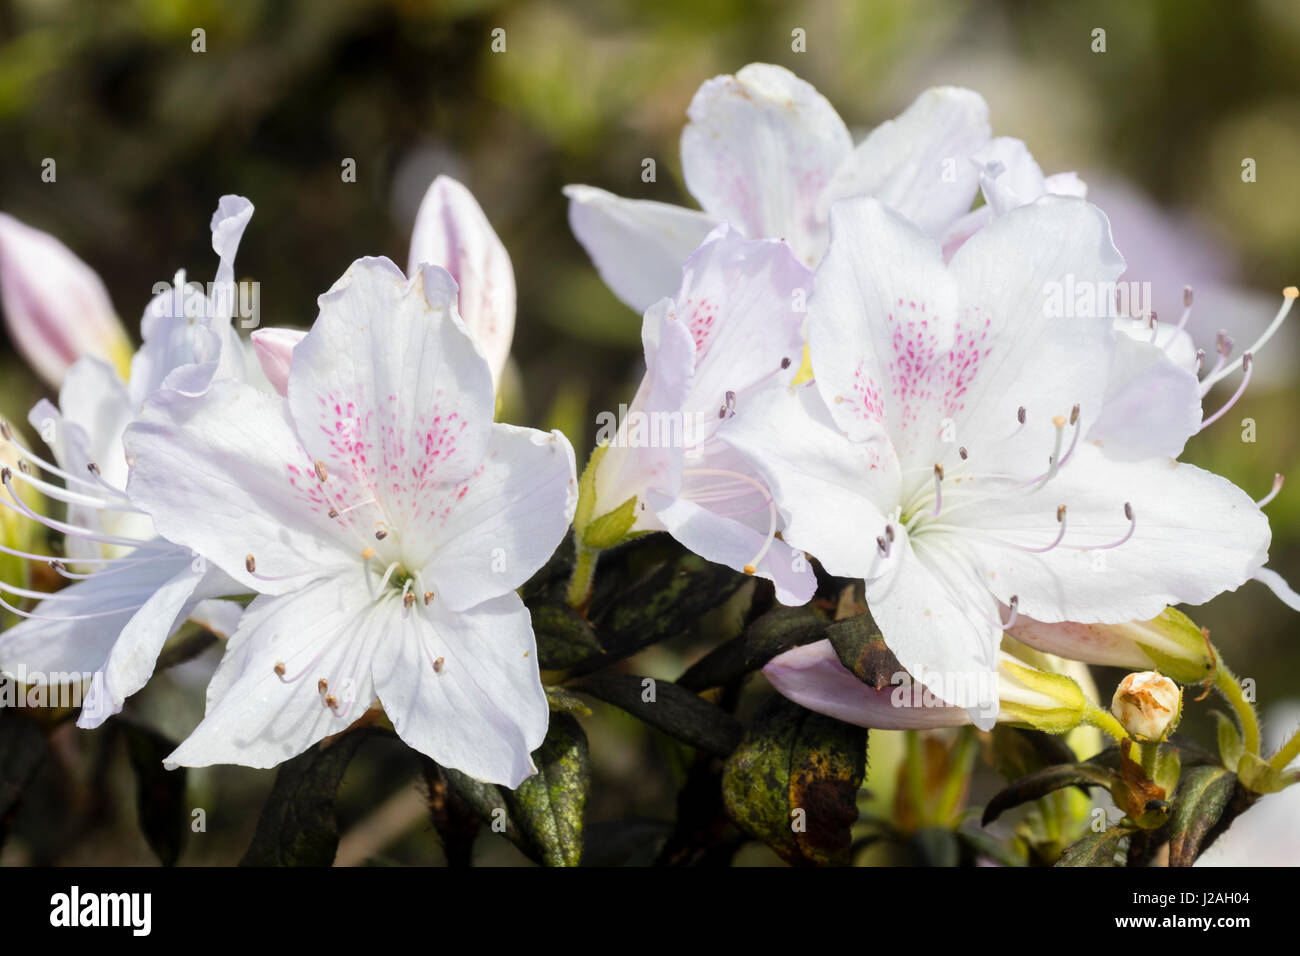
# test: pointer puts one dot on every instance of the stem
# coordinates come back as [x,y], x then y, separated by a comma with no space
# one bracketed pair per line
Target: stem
[1290,750]
[916,774]
[584,572]
[959,769]
[1105,721]
[1227,684]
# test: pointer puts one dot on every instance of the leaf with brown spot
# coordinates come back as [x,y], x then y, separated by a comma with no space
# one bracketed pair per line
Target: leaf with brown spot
[1202,796]
[862,650]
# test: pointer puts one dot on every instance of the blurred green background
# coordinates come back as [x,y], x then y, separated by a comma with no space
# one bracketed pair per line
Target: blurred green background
[148,134]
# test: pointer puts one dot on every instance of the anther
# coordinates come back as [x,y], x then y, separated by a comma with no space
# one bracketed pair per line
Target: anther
[279,668]
[250,564]
[1014,605]
[962,451]
[437,666]
[1277,486]
[322,685]
[1223,343]
[408,600]
[428,597]
[785,363]
[1020,414]
[1074,415]
[6,432]
[938,487]
[750,569]
[380,534]
[1187,297]
[367,554]
[25,468]
[320,470]
[333,512]
[92,468]
[331,702]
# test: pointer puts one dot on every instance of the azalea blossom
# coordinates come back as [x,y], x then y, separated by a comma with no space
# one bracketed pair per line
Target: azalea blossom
[385,522]
[987,491]
[767,153]
[56,308]
[131,588]
[733,329]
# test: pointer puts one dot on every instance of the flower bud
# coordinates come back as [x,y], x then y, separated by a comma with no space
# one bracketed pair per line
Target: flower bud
[55,307]
[274,349]
[1170,642]
[1148,704]
[451,231]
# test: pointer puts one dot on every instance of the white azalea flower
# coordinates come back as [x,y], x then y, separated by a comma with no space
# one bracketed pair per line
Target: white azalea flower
[385,522]
[976,487]
[132,589]
[766,152]
[733,329]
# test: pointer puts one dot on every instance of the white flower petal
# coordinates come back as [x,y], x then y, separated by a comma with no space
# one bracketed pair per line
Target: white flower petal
[327,631]
[1152,404]
[832,492]
[452,231]
[1195,535]
[638,246]
[274,350]
[463,688]
[919,164]
[486,536]
[758,150]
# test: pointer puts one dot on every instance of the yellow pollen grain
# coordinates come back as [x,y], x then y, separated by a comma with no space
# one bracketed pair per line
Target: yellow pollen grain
[1291,292]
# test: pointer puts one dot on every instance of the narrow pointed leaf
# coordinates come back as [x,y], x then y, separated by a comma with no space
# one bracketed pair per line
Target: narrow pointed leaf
[667,707]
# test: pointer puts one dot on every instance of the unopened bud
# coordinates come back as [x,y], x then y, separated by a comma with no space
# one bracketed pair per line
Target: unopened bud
[1148,704]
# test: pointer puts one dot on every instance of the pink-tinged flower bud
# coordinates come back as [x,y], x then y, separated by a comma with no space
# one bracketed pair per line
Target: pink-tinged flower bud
[1148,704]
[451,231]
[274,348]
[55,307]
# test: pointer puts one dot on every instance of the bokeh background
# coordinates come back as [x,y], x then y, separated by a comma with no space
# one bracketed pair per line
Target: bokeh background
[148,134]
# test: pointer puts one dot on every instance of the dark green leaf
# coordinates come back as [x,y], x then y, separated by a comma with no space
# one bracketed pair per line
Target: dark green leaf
[159,793]
[455,820]
[978,842]
[793,782]
[1202,796]
[672,709]
[862,650]
[564,637]
[548,806]
[1042,782]
[1018,751]
[1097,849]
[774,633]
[624,842]
[298,826]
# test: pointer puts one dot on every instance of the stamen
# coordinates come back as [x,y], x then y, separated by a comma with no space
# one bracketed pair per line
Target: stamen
[1132,518]
[938,487]
[1277,486]
[1020,414]
[751,566]
[331,702]
[322,685]
[1200,361]
[728,408]
[380,532]
[68,617]
[1014,605]
[1187,308]
[367,553]
[1054,462]
[1060,535]
[1289,295]
[250,564]
[279,668]
[1247,365]
[92,468]
[388,574]
[428,598]
[1155,328]
[6,476]
[437,665]
[962,452]
[885,542]
[334,513]
[320,470]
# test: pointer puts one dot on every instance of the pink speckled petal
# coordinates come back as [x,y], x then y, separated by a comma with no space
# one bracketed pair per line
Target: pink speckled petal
[759,149]
[485,536]
[390,393]
[883,331]
[452,231]
[224,474]
[274,350]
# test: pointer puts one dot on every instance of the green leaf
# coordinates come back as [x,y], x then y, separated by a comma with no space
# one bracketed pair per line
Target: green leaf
[980,843]
[1258,777]
[159,793]
[773,633]
[793,782]
[1231,748]
[1097,849]
[22,751]
[564,638]
[668,707]
[664,605]
[1202,796]
[548,806]
[612,527]
[1042,782]
[862,650]
[297,826]
[562,701]
[455,820]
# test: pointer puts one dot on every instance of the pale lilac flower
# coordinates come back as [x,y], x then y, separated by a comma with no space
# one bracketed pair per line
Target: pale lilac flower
[987,492]
[767,153]
[385,522]
[733,329]
[55,306]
